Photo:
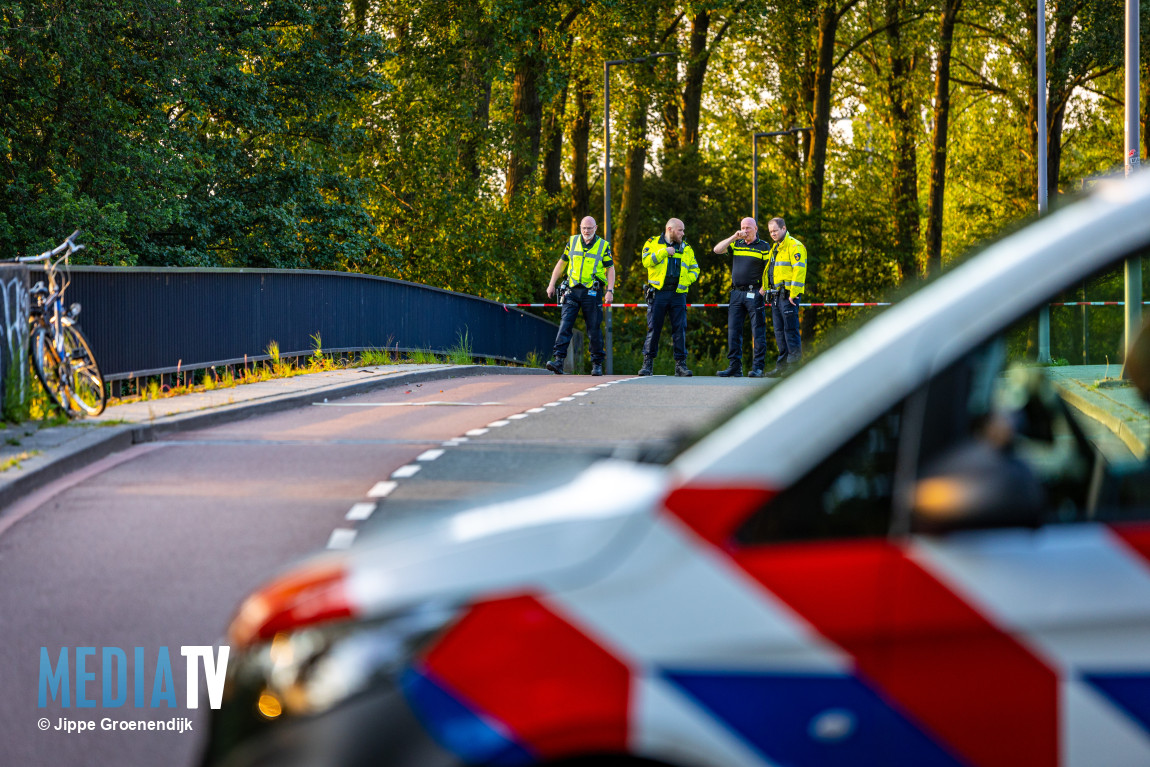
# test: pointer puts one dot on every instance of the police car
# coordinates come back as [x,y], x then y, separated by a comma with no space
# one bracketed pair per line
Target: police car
[910,552]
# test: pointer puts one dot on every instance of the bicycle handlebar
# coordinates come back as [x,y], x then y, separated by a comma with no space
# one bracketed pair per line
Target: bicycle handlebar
[67,245]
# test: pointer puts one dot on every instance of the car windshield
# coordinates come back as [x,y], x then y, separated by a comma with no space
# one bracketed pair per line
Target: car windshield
[1082,365]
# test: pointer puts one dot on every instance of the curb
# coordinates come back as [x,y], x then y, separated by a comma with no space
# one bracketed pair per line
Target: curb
[107,440]
[1137,445]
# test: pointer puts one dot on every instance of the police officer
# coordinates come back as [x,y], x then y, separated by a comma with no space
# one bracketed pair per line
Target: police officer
[671,269]
[786,278]
[748,262]
[589,270]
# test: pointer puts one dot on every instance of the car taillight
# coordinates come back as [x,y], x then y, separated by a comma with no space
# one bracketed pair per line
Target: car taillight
[311,594]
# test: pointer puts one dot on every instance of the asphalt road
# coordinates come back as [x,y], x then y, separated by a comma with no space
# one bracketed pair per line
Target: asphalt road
[153,548]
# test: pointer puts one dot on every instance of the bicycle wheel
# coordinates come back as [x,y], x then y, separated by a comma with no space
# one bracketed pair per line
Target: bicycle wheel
[46,363]
[85,384]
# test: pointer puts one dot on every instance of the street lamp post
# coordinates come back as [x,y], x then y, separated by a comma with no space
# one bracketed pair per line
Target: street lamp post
[755,164]
[1133,264]
[1044,312]
[607,174]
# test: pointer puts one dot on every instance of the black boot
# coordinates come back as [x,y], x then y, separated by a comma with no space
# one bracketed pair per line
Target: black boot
[779,370]
[681,370]
[555,366]
[734,370]
[755,373]
[647,365]
[597,369]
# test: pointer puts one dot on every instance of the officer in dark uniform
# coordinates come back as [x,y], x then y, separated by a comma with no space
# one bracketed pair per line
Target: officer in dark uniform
[587,260]
[749,258]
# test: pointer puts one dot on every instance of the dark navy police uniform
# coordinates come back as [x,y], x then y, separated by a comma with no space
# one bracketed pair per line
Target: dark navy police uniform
[747,263]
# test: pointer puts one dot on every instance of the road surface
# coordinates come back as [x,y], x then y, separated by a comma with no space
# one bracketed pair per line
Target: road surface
[153,547]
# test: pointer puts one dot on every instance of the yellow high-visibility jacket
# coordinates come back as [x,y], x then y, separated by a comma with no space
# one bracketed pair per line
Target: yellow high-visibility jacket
[788,265]
[590,266]
[656,260]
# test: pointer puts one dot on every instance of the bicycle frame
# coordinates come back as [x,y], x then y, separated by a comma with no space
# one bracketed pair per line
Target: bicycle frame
[50,309]
[61,356]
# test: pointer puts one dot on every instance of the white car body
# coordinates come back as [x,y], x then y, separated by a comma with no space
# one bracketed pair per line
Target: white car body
[642,625]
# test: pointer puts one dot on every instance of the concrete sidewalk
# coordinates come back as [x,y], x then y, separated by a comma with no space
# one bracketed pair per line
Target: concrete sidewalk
[36,456]
[1098,393]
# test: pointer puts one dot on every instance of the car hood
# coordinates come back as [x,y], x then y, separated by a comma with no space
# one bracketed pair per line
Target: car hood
[569,535]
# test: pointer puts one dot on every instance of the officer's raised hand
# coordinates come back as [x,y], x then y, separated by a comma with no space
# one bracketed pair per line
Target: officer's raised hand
[670,250]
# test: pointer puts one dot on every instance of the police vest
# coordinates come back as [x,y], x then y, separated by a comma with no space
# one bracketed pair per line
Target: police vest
[655,258]
[585,267]
[788,266]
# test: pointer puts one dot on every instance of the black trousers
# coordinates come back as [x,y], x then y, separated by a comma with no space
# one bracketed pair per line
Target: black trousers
[662,303]
[578,300]
[740,306]
[785,317]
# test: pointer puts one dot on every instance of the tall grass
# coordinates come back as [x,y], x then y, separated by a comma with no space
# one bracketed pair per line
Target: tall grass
[373,357]
[422,357]
[460,354]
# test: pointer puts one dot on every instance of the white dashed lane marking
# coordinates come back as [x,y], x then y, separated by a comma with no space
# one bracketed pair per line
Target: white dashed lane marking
[360,511]
[382,489]
[341,538]
[406,404]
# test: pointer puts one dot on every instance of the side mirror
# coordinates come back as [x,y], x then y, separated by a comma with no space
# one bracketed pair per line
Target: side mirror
[976,486]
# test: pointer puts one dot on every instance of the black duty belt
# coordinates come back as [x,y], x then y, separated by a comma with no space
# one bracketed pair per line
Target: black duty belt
[747,287]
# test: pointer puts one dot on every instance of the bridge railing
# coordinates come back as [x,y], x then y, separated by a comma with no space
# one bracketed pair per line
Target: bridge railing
[154,321]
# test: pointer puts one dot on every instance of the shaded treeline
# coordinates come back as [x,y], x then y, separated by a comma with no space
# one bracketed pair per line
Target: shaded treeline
[458,144]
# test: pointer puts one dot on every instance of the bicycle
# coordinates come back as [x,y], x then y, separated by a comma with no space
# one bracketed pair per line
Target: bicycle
[61,355]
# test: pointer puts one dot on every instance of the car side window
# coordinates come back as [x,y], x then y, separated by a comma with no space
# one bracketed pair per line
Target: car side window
[848,495]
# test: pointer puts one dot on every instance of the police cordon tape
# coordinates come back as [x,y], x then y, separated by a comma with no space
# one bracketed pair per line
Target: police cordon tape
[689,306]
[824,303]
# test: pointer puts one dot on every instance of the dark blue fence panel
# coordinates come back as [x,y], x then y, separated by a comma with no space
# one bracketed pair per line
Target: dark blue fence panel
[144,321]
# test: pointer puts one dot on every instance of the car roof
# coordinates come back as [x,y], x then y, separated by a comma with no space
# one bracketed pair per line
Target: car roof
[779,437]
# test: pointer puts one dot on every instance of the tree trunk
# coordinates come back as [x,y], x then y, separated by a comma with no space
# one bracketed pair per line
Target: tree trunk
[475,87]
[904,172]
[1059,90]
[626,235]
[553,160]
[1144,107]
[696,71]
[1028,175]
[950,11]
[526,121]
[580,135]
[821,118]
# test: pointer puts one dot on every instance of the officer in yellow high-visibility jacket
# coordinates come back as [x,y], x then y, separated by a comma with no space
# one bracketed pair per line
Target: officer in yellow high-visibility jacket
[671,269]
[786,281]
[590,279]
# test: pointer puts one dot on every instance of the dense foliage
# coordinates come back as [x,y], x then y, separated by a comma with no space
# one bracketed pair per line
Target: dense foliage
[458,143]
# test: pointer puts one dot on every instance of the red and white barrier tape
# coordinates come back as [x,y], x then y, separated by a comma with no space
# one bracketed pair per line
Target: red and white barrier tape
[1095,303]
[822,303]
[689,306]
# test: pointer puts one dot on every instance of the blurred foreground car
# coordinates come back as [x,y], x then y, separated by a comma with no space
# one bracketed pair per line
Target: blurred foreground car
[911,552]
